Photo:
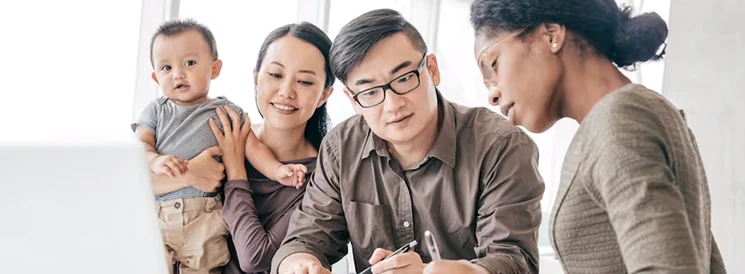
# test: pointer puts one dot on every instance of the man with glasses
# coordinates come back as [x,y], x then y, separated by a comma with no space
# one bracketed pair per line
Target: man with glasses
[413,162]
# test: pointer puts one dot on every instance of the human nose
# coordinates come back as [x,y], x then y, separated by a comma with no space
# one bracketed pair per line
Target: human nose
[286,89]
[393,102]
[494,94]
[178,73]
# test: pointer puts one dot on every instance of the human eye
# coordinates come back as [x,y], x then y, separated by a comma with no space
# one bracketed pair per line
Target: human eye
[405,78]
[369,93]
[190,63]
[489,73]
[166,68]
[275,75]
[305,83]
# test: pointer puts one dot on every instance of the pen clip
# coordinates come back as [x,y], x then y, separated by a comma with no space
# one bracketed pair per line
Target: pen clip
[434,252]
[406,248]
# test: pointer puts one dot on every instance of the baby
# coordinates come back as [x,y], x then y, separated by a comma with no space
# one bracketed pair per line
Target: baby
[175,128]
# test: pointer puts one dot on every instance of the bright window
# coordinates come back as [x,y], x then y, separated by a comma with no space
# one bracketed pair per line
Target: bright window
[239,28]
[68,75]
[461,80]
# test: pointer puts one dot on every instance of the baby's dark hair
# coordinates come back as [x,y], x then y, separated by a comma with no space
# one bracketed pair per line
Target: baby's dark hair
[601,24]
[178,26]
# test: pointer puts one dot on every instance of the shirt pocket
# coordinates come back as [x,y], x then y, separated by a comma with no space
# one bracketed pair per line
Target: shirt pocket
[369,226]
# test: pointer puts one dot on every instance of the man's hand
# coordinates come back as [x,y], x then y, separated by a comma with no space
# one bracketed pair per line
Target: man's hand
[291,175]
[169,165]
[406,263]
[205,172]
[302,263]
[450,266]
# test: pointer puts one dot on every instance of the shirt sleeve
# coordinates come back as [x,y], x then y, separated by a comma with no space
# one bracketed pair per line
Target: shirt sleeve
[318,226]
[716,263]
[233,106]
[224,102]
[254,245]
[631,179]
[509,208]
[148,119]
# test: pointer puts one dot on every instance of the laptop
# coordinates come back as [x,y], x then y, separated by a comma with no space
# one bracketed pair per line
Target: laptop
[78,208]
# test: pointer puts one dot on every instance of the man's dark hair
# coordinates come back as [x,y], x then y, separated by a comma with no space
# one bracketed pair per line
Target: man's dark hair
[356,38]
[601,24]
[178,26]
[319,124]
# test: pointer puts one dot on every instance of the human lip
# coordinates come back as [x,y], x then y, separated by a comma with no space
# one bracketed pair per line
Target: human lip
[283,107]
[399,119]
[506,108]
[181,86]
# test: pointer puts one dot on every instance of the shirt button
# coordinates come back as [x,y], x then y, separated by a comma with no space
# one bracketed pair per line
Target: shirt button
[177,205]
[406,223]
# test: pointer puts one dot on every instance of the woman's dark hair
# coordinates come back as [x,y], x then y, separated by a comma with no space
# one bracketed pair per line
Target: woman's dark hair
[319,124]
[608,29]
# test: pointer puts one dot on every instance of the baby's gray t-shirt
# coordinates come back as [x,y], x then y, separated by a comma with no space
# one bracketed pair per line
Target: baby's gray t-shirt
[182,131]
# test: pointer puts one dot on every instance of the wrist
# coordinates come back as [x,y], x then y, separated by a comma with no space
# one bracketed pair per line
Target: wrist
[277,172]
[236,173]
[183,181]
[151,157]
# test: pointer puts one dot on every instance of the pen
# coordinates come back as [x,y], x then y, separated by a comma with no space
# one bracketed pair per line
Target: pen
[406,248]
[434,252]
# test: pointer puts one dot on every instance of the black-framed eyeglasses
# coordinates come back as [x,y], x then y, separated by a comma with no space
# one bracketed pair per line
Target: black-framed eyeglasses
[400,85]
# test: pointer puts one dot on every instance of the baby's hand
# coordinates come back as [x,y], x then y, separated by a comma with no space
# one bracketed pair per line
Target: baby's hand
[291,175]
[169,165]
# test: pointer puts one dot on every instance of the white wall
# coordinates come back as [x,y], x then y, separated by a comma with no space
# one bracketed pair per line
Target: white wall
[704,76]
[68,69]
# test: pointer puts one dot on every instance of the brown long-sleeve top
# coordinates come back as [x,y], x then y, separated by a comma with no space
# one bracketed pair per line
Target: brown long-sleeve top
[633,196]
[258,212]
[478,191]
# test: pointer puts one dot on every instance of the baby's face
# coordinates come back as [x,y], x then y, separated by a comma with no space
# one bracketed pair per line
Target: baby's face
[183,67]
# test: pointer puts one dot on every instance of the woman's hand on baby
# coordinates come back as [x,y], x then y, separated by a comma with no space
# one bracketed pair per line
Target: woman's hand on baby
[205,173]
[291,175]
[232,141]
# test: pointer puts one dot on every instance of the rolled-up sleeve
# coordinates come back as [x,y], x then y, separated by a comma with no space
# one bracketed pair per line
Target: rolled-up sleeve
[509,208]
[318,226]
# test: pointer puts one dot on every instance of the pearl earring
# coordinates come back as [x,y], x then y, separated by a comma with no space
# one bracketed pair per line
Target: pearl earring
[554,45]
